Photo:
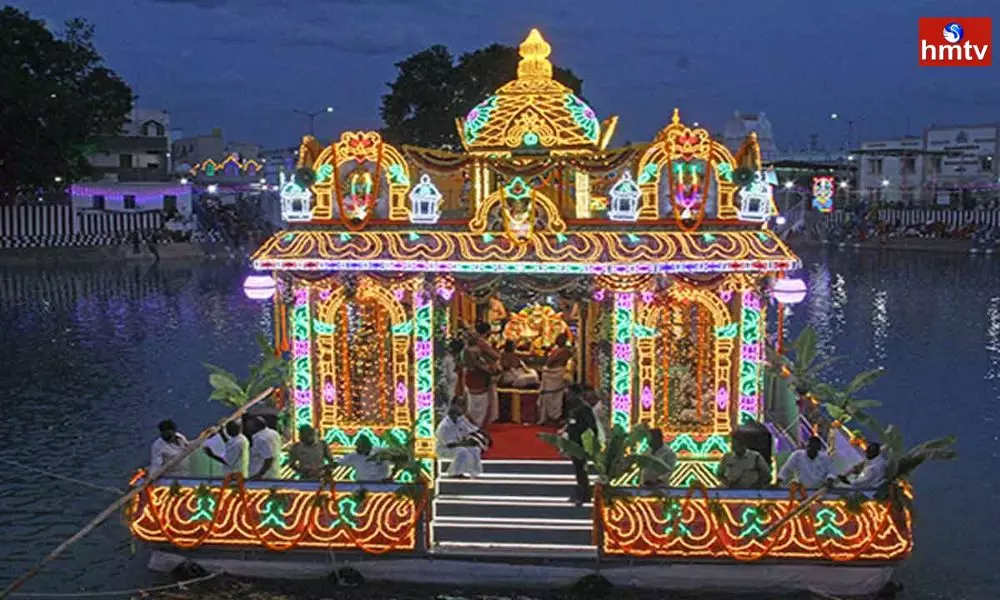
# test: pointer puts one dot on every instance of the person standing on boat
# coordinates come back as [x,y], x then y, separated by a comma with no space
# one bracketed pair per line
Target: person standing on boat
[477,385]
[265,451]
[458,439]
[871,473]
[600,408]
[491,359]
[553,390]
[581,420]
[743,468]
[451,371]
[309,456]
[169,445]
[237,449]
[810,467]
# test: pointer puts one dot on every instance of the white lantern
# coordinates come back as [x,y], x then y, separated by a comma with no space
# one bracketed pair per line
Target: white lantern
[756,199]
[425,202]
[789,291]
[259,287]
[624,199]
[296,200]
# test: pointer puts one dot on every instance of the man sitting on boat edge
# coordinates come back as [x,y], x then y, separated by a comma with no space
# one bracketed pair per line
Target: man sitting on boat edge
[810,467]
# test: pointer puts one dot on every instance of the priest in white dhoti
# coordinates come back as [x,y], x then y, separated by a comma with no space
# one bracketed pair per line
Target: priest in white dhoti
[553,387]
[457,440]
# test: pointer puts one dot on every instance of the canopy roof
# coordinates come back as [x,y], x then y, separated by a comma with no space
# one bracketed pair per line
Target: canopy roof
[579,252]
[534,113]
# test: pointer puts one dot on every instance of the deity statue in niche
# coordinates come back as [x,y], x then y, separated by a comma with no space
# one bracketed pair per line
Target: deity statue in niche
[359,195]
[518,208]
[688,183]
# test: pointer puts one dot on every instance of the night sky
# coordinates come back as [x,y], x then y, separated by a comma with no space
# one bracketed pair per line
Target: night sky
[243,65]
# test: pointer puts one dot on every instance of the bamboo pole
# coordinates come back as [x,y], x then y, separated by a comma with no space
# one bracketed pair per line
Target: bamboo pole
[801,508]
[122,501]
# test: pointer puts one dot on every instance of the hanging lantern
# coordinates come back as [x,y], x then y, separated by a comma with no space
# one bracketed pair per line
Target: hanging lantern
[755,199]
[425,202]
[259,287]
[296,200]
[624,199]
[789,291]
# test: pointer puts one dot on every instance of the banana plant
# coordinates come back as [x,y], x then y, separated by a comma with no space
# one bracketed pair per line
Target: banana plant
[270,371]
[404,464]
[902,464]
[616,459]
[843,405]
[802,369]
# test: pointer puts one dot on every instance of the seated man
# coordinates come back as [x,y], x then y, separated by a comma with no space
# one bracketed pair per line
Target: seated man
[743,468]
[810,467]
[657,449]
[871,473]
[459,440]
[309,456]
[366,469]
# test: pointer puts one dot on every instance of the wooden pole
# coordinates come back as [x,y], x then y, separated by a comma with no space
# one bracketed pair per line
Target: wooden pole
[122,501]
[801,508]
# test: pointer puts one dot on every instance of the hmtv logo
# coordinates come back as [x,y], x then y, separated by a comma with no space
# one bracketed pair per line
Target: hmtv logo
[956,41]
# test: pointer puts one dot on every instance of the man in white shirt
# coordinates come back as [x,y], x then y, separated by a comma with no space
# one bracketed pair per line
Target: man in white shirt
[871,473]
[169,445]
[366,470]
[455,441]
[237,449]
[265,451]
[665,453]
[810,467]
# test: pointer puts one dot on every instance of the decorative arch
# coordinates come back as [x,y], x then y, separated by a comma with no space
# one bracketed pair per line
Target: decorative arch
[553,220]
[360,147]
[334,354]
[659,154]
[654,355]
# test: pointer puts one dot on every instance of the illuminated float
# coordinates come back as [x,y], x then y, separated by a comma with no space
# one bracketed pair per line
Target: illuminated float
[656,258]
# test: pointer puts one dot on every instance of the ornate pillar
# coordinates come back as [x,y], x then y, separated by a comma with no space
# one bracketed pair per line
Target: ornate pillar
[423,352]
[750,356]
[302,357]
[622,359]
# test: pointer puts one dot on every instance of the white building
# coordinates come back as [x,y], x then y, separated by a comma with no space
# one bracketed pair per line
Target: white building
[963,167]
[892,170]
[140,196]
[741,125]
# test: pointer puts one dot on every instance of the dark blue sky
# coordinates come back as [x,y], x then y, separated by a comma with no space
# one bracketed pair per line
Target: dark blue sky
[243,65]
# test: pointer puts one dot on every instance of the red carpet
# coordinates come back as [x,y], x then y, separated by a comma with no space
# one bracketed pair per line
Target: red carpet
[512,441]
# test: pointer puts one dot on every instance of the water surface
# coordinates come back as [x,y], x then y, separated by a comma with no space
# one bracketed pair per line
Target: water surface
[96,356]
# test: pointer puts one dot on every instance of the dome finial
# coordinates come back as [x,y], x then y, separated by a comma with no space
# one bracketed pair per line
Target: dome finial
[534,53]
[677,116]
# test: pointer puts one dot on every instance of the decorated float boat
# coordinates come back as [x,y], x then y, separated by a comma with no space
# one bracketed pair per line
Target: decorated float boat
[656,260]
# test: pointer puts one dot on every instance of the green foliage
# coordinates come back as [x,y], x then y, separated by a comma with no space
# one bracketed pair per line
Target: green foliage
[401,456]
[843,405]
[270,371]
[616,459]
[58,102]
[802,362]
[431,90]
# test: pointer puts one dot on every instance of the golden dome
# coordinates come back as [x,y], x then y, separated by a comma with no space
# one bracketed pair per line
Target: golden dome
[533,113]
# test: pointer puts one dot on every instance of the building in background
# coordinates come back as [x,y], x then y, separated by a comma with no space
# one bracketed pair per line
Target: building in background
[962,170]
[132,170]
[892,170]
[741,125]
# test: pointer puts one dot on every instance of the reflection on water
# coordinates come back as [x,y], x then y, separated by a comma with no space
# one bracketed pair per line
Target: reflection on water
[95,357]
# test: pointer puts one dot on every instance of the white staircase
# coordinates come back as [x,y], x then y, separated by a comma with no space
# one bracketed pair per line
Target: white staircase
[516,507]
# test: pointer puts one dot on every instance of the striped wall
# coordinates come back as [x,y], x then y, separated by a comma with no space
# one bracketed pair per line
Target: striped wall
[988,219]
[44,225]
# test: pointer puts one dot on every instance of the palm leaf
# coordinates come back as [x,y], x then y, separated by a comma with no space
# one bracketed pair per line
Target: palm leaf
[863,380]
[567,447]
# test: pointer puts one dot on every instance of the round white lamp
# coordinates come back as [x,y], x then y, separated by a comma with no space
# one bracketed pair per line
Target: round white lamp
[789,291]
[259,287]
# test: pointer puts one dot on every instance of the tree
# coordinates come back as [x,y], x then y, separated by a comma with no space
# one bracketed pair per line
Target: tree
[431,90]
[270,371]
[56,102]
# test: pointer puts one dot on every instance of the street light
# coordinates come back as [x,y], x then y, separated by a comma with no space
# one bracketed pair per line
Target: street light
[312,115]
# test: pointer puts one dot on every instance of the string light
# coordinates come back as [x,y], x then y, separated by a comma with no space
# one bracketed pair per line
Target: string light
[296,200]
[425,201]
[756,200]
[625,196]
[750,357]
